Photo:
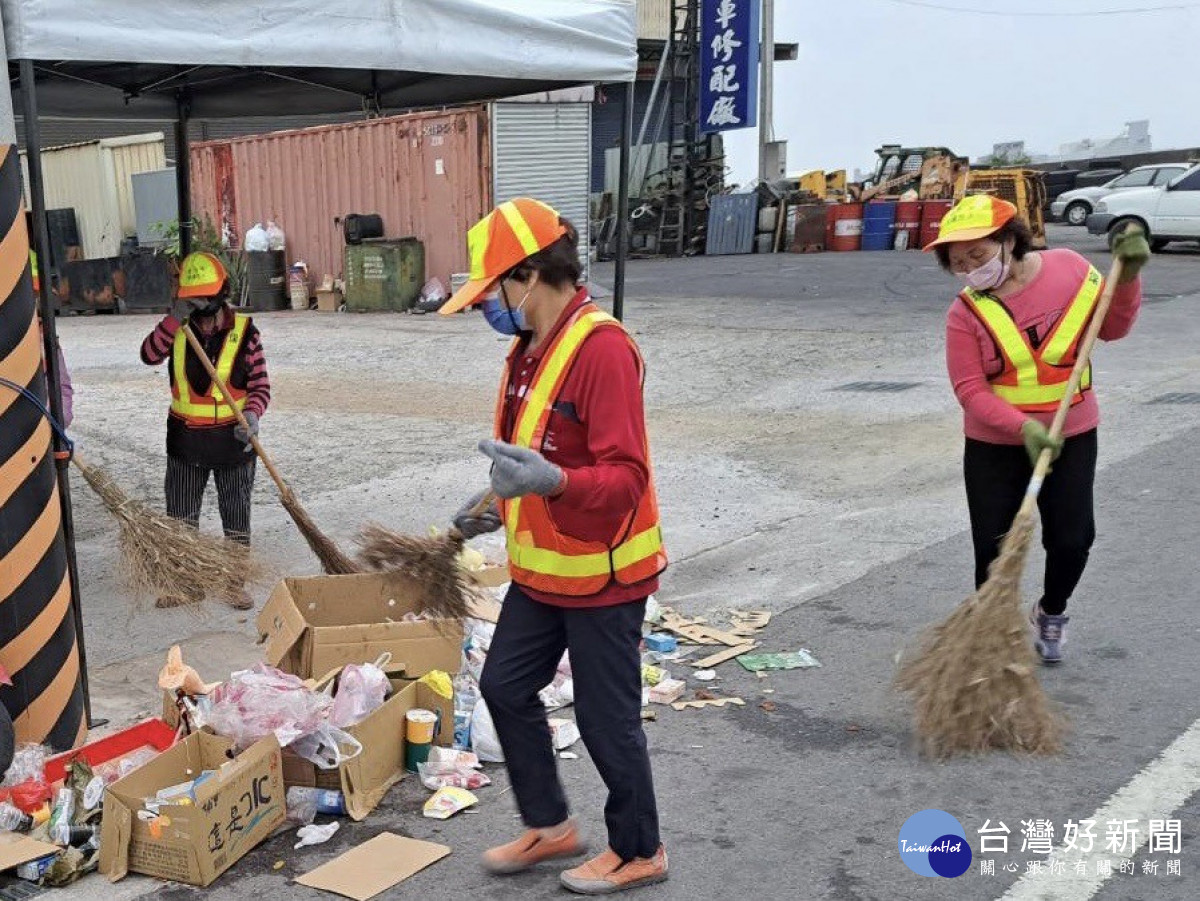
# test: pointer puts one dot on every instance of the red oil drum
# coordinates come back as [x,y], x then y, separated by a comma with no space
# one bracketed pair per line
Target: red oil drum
[908,223]
[932,212]
[844,227]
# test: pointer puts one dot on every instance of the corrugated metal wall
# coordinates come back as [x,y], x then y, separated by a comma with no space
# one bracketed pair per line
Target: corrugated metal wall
[94,180]
[427,174]
[606,123]
[654,20]
[543,150]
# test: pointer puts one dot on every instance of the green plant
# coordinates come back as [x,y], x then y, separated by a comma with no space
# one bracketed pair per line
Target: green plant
[205,237]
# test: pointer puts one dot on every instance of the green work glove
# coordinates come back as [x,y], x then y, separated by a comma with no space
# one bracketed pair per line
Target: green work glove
[1131,249]
[517,471]
[1037,438]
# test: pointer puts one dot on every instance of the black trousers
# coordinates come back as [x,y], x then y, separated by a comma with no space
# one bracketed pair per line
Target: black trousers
[185,484]
[606,665]
[996,478]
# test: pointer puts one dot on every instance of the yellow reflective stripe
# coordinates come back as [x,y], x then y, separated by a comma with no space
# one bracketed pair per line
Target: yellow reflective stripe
[537,401]
[1039,394]
[520,227]
[1077,314]
[552,563]
[1010,338]
[212,406]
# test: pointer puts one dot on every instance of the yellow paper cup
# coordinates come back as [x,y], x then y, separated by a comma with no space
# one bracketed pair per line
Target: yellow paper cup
[419,726]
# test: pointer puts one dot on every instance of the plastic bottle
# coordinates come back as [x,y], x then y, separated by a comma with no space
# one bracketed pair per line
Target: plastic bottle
[466,696]
[13,820]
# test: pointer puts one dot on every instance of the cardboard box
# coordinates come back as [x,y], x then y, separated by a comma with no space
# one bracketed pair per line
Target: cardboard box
[329,301]
[313,625]
[234,811]
[365,780]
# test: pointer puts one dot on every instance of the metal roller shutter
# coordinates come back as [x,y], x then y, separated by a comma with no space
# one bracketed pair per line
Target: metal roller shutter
[543,151]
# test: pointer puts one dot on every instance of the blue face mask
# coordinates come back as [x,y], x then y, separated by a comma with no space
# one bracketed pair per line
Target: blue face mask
[503,319]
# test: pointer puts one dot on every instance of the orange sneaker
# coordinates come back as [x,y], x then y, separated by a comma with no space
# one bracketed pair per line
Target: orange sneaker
[606,874]
[533,848]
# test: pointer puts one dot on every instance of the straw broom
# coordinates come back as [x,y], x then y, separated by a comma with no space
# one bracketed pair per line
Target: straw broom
[333,561]
[973,680]
[430,561]
[167,556]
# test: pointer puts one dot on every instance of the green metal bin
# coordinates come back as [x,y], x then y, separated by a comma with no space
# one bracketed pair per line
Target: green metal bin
[384,274]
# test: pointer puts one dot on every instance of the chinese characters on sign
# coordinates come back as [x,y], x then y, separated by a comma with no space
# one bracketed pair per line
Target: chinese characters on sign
[729,53]
[1122,842]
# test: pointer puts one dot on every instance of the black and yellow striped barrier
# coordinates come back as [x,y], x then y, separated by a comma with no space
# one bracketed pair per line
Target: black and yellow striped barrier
[38,645]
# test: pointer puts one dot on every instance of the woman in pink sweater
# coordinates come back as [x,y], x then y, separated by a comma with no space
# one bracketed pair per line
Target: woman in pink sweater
[1011,338]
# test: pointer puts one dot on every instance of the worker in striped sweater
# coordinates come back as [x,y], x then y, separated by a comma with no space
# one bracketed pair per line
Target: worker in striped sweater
[203,436]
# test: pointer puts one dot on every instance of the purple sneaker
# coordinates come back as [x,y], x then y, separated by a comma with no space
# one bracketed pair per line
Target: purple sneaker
[1050,634]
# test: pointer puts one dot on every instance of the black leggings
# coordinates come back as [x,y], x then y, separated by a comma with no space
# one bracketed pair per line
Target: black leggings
[996,478]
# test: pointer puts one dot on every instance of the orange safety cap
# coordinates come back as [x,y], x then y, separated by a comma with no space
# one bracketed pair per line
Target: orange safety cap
[973,218]
[508,235]
[201,275]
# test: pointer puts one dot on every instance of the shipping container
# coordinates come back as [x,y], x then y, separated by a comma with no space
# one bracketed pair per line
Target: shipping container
[430,176]
[95,179]
[427,174]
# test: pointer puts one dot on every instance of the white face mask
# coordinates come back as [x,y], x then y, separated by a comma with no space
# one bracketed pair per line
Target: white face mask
[991,274]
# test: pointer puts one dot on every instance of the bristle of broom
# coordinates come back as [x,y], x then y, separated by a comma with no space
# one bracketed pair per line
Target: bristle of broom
[431,562]
[973,681]
[168,557]
[333,561]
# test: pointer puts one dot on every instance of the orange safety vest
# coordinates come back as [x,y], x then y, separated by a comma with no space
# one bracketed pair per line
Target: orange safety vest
[210,408]
[540,556]
[1034,379]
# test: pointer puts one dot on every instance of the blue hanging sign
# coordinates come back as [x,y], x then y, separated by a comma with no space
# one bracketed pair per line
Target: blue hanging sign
[730,32]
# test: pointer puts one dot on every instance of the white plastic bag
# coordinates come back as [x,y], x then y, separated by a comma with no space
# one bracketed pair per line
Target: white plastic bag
[315,835]
[276,240]
[256,239]
[361,691]
[484,741]
[328,747]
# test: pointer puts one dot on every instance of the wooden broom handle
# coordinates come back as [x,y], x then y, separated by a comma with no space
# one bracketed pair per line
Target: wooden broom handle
[1082,361]
[224,389]
[483,503]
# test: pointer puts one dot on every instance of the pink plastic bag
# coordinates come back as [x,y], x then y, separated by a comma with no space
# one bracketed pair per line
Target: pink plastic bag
[262,700]
[361,691]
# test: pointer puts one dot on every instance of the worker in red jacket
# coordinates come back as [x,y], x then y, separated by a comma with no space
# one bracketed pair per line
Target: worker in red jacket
[203,437]
[571,468]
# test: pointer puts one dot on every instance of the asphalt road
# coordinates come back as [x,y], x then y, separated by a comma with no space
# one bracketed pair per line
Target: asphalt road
[842,513]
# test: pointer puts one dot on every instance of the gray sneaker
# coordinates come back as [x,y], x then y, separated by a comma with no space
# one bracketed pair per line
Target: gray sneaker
[1050,634]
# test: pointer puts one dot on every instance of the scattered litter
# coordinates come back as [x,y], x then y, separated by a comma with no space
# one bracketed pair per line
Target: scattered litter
[748,622]
[564,733]
[854,727]
[278,865]
[768,706]
[568,755]
[800,659]
[705,675]
[668,691]
[713,702]
[652,675]
[661,643]
[649,716]
[727,654]
[435,776]
[438,754]
[315,835]
[374,867]
[703,694]
[446,802]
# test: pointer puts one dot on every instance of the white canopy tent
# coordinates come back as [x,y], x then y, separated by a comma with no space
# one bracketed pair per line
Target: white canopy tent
[178,59]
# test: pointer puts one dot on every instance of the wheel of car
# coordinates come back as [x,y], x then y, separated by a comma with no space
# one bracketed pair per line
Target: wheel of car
[1077,212]
[1121,224]
[1158,245]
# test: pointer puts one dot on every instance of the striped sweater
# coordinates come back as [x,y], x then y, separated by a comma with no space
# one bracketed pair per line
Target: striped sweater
[216,445]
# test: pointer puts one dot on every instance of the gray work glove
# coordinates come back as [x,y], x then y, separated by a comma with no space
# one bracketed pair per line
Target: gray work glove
[245,435]
[181,310]
[517,471]
[472,524]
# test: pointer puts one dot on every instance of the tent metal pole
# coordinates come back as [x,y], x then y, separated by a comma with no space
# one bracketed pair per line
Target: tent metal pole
[623,205]
[46,304]
[183,173]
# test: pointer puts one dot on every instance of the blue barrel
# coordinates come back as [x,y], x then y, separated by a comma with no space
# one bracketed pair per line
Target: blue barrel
[879,222]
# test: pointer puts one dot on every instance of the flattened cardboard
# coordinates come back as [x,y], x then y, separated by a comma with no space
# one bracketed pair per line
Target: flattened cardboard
[312,625]
[365,779]
[234,811]
[374,866]
[18,849]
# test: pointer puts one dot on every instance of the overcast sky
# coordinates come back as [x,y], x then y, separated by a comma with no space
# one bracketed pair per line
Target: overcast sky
[872,72]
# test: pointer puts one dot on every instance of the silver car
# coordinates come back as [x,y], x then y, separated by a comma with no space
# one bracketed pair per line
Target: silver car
[1075,206]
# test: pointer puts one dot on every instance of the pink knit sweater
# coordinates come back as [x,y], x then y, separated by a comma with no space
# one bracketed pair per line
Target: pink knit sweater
[972,357]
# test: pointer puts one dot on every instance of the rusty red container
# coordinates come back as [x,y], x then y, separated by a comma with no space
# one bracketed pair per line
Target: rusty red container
[932,212]
[908,223]
[844,227]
